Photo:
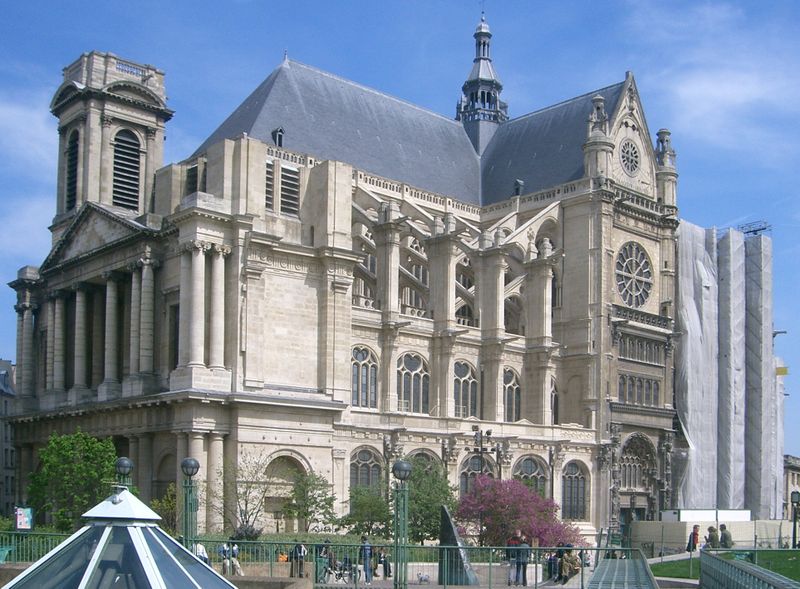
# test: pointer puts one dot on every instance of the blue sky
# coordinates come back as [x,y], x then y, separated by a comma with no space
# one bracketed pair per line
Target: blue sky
[722,76]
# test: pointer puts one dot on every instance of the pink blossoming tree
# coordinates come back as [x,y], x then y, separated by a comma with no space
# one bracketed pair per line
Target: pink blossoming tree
[502,507]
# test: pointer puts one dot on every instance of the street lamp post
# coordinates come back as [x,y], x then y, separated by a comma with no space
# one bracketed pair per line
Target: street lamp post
[123,467]
[189,467]
[795,497]
[401,471]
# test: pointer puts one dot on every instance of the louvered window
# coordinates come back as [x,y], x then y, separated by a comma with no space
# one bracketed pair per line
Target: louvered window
[269,187]
[191,179]
[126,170]
[72,171]
[290,191]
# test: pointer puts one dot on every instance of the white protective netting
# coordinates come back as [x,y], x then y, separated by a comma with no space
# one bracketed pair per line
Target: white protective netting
[696,397]
[761,404]
[730,458]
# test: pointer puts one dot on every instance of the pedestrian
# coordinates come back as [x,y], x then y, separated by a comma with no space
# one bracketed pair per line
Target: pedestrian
[298,558]
[383,559]
[694,539]
[570,565]
[365,556]
[224,552]
[725,539]
[523,556]
[201,552]
[511,555]
[712,540]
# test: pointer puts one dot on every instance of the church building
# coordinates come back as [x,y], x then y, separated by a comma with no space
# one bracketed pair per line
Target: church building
[336,279]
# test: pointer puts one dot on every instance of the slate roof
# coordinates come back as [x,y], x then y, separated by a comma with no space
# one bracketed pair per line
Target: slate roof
[329,117]
[543,148]
[333,118]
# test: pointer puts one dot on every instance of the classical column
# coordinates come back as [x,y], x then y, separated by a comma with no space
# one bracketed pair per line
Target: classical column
[149,166]
[50,311]
[182,451]
[106,158]
[27,385]
[97,338]
[197,451]
[215,478]
[110,364]
[135,326]
[133,454]
[144,468]
[185,303]
[59,347]
[197,323]
[216,332]
[80,345]
[146,330]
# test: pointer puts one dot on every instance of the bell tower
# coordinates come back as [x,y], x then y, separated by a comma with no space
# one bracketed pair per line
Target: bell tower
[111,115]
[480,108]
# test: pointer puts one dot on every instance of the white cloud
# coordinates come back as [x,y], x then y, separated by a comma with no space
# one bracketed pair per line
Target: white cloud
[28,137]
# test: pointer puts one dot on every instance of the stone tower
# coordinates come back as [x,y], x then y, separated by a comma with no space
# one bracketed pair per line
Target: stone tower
[111,115]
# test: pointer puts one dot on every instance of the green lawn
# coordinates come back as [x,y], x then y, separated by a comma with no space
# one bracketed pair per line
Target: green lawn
[783,562]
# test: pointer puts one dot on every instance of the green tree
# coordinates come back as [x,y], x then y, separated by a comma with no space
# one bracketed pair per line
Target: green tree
[311,500]
[167,508]
[428,490]
[74,475]
[369,512]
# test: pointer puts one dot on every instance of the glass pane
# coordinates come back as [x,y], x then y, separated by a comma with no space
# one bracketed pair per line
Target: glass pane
[199,571]
[67,567]
[170,571]
[373,386]
[119,564]
[354,386]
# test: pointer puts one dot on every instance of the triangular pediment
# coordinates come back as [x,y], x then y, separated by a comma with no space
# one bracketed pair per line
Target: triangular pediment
[94,229]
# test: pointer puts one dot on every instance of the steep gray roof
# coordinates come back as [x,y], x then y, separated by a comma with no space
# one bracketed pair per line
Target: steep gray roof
[333,118]
[543,148]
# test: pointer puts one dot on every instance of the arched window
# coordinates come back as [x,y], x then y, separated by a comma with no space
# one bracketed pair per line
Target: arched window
[533,473]
[474,465]
[127,164]
[622,393]
[71,180]
[631,390]
[364,385]
[573,493]
[464,316]
[656,401]
[512,396]
[413,384]
[554,401]
[639,392]
[365,469]
[465,390]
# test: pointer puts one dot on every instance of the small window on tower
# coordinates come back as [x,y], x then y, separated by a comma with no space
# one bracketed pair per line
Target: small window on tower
[277,136]
[72,171]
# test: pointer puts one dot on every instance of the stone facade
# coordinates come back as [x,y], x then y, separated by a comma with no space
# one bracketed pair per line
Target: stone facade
[255,300]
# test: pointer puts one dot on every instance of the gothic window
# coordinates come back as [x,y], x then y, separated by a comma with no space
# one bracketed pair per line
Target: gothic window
[365,469]
[634,274]
[636,460]
[629,157]
[555,292]
[127,164]
[512,396]
[554,401]
[269,186]
[420,272]
[656,402]
[465,388]
[413,384]
[573,493]
[622,389]
[639,393]
[290,190]
[631,390]
[512,316]
[413,302]
[71,194]
[533,473]
[277,136]
[470,469]
[364,386]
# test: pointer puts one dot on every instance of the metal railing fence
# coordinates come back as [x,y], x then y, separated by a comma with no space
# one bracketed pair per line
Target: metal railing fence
[736,569]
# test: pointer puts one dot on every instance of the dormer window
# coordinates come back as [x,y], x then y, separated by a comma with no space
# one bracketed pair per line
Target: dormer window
[277,136]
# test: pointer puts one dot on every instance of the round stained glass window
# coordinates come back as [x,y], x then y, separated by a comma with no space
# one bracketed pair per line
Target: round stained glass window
[634,274]
[629,156]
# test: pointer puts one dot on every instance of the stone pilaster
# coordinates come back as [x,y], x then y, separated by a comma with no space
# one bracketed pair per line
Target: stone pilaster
[59,343]
[197,316]
[135,319]
[110,387]
[80,388]
[216,335]
[146,342]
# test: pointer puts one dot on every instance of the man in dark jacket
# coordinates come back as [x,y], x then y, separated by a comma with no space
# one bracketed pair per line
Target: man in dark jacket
[511,554]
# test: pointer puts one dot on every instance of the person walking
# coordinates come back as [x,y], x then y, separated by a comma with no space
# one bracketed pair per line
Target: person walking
[365,556]
[511,555]
[523,556]
[694,539]
[725,539]
[236,568]
[298,558]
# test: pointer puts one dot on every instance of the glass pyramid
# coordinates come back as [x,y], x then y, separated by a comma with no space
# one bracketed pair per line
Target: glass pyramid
[120,547]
